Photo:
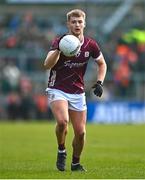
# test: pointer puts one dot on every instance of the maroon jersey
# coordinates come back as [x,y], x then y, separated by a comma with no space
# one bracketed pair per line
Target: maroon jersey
[67,74]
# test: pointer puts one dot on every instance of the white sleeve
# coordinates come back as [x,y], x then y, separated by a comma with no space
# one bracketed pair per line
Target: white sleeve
[99,57]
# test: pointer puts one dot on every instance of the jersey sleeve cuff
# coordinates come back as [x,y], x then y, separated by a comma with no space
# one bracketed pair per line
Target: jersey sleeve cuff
[99,57]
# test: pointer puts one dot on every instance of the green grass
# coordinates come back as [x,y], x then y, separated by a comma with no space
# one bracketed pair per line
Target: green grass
[28,150]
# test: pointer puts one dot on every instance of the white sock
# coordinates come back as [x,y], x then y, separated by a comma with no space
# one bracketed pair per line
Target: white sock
[75,164]
[61,151]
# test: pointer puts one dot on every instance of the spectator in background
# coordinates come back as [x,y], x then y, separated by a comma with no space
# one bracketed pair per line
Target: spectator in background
[11,74]
[126,59]
[27,107]
[13,105]
[42,108]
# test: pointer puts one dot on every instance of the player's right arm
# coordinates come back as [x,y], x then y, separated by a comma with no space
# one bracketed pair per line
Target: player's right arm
[51,59]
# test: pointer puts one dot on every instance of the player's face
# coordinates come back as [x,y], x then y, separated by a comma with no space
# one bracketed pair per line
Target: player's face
[76,25]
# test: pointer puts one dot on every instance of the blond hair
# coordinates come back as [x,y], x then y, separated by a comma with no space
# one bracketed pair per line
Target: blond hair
[75,13]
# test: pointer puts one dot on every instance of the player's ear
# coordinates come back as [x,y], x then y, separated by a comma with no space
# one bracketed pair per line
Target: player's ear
[84,24]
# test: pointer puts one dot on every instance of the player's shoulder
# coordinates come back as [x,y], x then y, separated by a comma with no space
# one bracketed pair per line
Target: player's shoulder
[54,42]
[55,39]
[58,38]
[88,38]
[91,42]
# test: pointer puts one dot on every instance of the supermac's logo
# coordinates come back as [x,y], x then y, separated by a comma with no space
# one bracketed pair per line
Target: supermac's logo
[70,64]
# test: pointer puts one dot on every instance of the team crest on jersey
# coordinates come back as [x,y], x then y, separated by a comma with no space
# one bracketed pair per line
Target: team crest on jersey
[87,54]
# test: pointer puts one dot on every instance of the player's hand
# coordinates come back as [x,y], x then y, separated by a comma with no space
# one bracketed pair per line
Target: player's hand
[98,88]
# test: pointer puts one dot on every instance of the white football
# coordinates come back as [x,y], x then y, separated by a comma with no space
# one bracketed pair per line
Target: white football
[69,45]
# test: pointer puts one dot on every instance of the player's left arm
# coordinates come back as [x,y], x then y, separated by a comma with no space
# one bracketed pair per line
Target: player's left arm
[102,68]
[97,55]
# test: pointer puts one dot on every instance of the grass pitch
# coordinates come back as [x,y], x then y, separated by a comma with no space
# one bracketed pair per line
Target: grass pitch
[28,151]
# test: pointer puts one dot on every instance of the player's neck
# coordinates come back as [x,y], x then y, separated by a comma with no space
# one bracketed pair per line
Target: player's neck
[80,37]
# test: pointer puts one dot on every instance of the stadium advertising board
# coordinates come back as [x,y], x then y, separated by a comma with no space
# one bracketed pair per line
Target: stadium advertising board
[116,112]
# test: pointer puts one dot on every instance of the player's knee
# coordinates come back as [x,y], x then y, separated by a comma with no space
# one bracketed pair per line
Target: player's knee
[81,135]
[62,125]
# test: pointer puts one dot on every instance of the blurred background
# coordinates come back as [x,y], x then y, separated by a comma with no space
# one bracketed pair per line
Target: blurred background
[26,30]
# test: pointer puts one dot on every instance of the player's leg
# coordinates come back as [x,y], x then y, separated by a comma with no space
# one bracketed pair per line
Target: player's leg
[60,111]
[78,119]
